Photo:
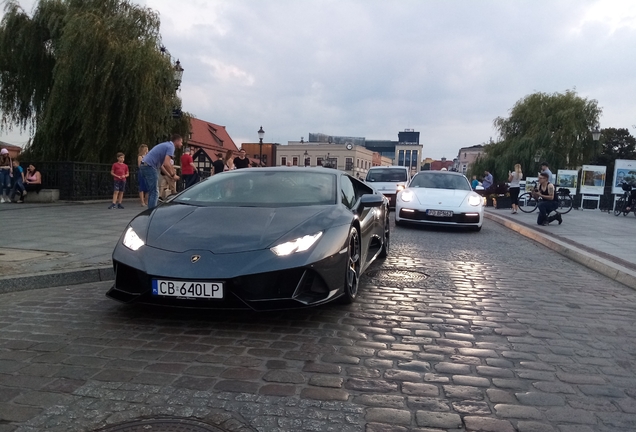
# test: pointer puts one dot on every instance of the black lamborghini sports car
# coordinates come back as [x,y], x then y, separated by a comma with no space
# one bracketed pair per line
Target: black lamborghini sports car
[259,238]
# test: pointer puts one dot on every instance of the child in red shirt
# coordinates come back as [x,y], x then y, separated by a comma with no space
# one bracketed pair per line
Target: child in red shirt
[119,171]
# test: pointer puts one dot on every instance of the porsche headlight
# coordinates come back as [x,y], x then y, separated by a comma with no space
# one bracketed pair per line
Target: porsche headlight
[475,200]
[406,196]
[301,244]
[132,240]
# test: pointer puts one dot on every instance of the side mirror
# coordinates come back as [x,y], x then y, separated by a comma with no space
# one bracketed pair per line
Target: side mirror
[371,200]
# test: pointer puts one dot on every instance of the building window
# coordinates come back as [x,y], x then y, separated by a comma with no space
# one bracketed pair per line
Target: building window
[348,164]
[307,161]
[464,155]
[264,159]
[295,161]
[283,161]
[319,161]
[414,161]
[407,158]
[401,158]
[464,167]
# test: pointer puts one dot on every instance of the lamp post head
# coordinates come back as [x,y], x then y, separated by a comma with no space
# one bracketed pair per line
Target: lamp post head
[537,156]
[261,134]
[178,74]
[596,133]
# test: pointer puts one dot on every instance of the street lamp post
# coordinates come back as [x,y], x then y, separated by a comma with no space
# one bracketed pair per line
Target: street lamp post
[177,76]
[596,135]
[261,134]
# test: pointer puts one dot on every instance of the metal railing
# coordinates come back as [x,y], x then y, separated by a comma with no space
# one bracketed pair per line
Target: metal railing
[80,181]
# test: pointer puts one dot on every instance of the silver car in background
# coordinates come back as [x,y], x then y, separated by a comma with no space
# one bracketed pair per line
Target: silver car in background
[388,180]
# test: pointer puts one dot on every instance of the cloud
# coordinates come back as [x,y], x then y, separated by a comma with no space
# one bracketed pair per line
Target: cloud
[373,68]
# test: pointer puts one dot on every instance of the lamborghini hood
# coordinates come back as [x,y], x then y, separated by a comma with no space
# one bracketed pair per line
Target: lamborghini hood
[179,228]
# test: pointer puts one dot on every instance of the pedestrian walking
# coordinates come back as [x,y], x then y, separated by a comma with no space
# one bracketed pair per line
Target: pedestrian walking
[218,165]
[548,203]
[189,170]
[229,161]
[546,169]
[514,177]
[241,161]
[151,164]
[143,187]
[487,181]
[6,170]
[18,182]
[119,171]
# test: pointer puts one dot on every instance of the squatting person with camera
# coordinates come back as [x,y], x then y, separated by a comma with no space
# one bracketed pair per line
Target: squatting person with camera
[549,201]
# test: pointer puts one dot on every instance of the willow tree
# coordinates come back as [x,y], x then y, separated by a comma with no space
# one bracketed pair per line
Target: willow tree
[86,78]
[554,126]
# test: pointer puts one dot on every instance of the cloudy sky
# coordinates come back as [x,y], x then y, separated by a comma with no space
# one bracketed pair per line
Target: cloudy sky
[372,68]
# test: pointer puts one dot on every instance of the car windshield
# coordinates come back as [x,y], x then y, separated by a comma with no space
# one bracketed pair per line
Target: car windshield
[389,175]
[262,188]
[439,181]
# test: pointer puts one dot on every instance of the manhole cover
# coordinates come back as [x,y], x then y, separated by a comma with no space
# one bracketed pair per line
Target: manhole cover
[162,425]
[393,276]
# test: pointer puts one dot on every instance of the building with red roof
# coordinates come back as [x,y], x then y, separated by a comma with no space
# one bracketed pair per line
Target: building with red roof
[437,165]
[208,139]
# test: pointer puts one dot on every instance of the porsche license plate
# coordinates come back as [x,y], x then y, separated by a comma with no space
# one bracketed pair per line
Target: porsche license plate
[439,213]
[189,289]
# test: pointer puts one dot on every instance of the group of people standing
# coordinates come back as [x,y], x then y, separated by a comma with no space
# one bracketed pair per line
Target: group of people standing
[157,170]
[14,180]
[545,190]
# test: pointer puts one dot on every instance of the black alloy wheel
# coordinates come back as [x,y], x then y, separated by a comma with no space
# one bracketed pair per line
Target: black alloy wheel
[352,274]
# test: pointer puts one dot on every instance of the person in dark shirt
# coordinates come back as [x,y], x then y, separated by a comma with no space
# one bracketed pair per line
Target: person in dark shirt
[218,164]
[241,161]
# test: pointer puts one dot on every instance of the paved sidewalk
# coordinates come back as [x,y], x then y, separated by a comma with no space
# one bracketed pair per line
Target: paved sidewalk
[598,240]
[57,244]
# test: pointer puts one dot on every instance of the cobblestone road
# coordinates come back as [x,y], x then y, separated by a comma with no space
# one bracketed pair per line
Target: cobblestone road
[502,335]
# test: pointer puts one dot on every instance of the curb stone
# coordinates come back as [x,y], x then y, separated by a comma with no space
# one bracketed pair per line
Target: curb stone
[55,279]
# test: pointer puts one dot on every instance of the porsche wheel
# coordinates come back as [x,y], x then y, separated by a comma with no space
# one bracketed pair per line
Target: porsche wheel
[384,252]
[352,275]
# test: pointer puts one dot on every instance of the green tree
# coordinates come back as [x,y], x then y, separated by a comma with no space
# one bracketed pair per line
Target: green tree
[86,78]
[556,126]
[615,144]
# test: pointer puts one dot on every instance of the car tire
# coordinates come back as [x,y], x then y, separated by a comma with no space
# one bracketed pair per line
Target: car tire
[384,252]
[352,272]
[476,229]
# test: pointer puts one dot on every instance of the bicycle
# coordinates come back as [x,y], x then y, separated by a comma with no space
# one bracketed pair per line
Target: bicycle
[624,201]
[530,203]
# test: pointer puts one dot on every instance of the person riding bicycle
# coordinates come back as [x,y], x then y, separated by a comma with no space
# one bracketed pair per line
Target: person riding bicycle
[549,201]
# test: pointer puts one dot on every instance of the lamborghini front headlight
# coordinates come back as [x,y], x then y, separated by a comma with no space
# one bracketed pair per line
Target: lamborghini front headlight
[301,244]
[132,240]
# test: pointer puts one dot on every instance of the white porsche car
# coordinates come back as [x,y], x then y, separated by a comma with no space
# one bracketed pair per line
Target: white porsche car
[440,198]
